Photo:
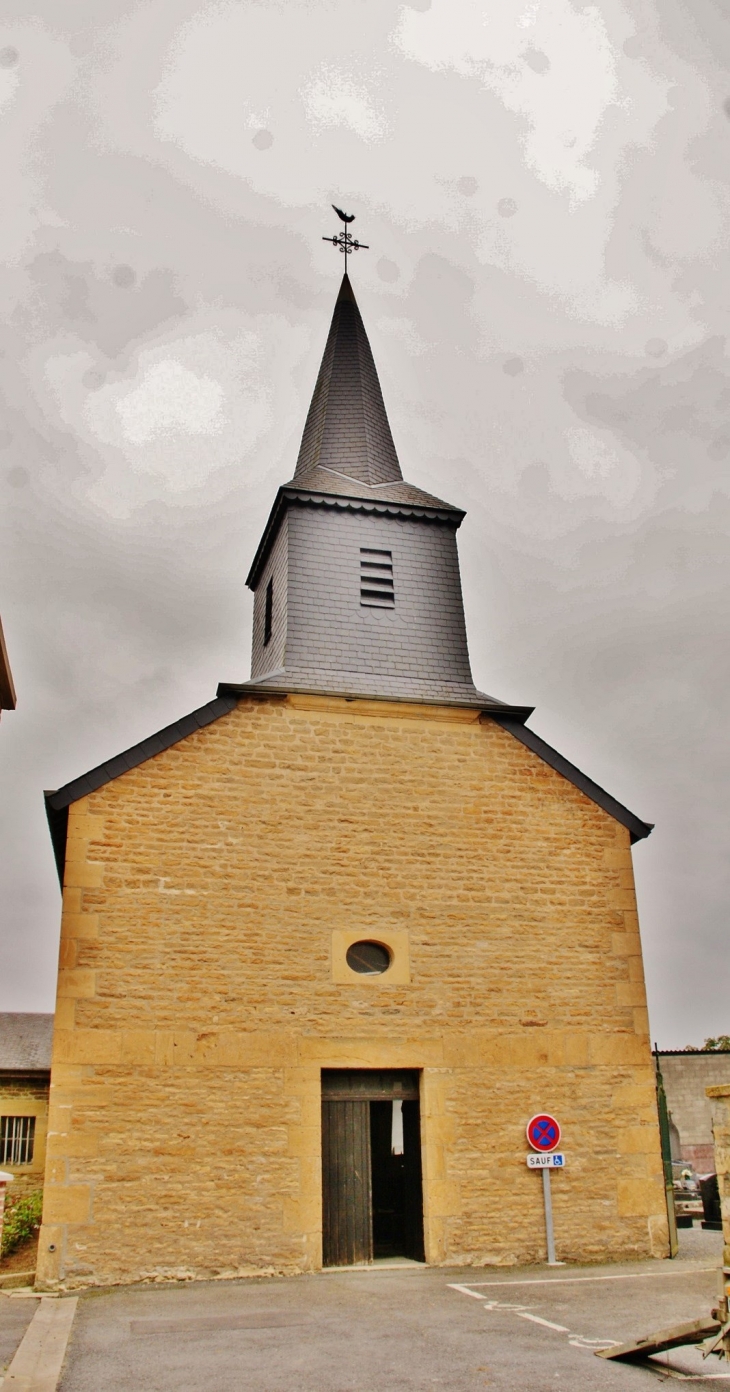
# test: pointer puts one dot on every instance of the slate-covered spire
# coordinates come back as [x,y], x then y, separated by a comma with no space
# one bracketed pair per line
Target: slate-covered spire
[356,577]
[347,428]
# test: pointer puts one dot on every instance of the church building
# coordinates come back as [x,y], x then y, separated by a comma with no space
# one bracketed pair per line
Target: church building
[329,942]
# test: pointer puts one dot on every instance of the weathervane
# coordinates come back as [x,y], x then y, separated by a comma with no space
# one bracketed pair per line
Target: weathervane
[344,241]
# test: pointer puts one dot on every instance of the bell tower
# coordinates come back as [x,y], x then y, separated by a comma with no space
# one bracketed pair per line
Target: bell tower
[356,578]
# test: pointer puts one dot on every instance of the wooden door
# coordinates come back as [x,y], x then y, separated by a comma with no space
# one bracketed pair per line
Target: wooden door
[347,1223]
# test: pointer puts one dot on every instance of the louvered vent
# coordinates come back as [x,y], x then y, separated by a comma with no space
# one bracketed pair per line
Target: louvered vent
[376,579]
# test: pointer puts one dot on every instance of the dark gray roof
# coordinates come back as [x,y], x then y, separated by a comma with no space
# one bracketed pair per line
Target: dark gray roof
[25,1042]
[372,686]
[517,727]
[325,488]
[59,800]
[347,428]
[347,457]
[330,482]
[138,753]
[511,718]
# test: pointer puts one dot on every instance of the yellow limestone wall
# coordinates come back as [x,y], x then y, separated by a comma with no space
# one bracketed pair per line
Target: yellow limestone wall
[196,1000]
[26,1096]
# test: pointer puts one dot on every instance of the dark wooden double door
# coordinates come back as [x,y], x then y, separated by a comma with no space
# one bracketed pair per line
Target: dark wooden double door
[372,1199]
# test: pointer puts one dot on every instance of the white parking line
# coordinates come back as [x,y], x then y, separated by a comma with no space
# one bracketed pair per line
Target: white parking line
[574,1280]
[581,1341]
[561,1328]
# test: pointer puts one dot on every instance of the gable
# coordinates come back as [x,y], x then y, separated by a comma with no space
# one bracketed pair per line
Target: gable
[509,719]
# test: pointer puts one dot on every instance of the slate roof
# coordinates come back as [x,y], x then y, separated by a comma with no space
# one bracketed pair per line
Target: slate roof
[323,487]
[347,427]
[348,460]
[332,482]
[25,1043]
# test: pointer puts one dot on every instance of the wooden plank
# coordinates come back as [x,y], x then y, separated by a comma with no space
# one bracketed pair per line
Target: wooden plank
[347,1227]
[373,1084]
[674,1337]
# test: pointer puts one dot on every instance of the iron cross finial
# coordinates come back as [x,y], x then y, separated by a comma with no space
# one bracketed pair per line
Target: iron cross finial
[344,241]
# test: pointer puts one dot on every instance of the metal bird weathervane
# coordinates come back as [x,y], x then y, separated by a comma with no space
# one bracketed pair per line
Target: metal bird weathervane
[344,241]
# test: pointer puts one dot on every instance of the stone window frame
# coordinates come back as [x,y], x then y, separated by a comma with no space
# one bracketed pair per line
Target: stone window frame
[395,940]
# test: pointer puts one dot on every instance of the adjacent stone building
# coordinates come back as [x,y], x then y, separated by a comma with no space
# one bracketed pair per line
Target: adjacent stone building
[687,1073]
[330,941]
[25,1073]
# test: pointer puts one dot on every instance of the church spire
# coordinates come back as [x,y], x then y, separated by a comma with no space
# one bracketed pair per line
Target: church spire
[347,429]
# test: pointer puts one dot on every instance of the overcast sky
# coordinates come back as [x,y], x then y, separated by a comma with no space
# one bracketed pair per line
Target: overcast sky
[544,187]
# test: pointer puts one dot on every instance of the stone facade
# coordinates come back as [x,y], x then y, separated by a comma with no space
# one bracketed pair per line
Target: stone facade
[25,1074]
[197,1001]
[26,1097]
[687,1074]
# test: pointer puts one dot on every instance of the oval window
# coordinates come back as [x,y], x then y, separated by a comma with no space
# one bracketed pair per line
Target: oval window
[368,958]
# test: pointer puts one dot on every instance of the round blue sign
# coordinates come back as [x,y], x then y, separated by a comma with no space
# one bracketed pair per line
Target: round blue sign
[543,1132]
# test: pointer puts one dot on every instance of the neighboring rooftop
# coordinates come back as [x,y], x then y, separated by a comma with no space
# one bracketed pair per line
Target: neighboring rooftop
[25,1042]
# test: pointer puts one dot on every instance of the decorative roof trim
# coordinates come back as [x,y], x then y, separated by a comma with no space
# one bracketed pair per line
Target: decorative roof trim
[307,497]
[615,809]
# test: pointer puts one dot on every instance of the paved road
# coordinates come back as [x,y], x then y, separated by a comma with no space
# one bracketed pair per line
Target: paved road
[396,1329]
[400,1329]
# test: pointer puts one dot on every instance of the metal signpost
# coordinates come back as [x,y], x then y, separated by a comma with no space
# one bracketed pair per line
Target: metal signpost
[543,1134]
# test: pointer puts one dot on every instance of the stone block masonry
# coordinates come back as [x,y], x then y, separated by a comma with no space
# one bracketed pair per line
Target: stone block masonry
[687,1074]
[197,1005]
[26,1097]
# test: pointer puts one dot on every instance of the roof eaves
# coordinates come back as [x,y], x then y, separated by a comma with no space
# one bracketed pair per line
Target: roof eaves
[287,494]
[26,1074]
[260,690]
[637,828]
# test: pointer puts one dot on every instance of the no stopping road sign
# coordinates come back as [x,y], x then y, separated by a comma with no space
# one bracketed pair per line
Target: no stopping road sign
[543,1132]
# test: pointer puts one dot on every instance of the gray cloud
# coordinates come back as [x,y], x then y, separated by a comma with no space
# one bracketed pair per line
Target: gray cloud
[546,202]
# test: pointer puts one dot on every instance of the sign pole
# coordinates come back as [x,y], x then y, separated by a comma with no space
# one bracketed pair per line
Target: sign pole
[549,1230]
[543,1133]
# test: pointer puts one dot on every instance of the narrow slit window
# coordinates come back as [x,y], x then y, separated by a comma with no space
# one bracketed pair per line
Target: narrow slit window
[376,579]
[268,611]
[17,1134]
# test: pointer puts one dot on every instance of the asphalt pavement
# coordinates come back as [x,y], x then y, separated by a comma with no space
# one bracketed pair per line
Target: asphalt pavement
[400,1329]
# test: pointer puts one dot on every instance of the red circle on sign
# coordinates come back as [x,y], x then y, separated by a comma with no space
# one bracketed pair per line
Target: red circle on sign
[543,1132]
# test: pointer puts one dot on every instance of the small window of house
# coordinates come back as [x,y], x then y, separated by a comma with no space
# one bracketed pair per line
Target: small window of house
[376,579]
[17,1134]
[268,611]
